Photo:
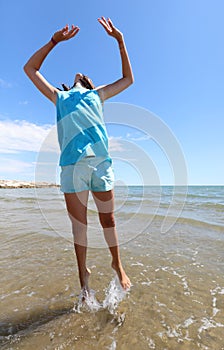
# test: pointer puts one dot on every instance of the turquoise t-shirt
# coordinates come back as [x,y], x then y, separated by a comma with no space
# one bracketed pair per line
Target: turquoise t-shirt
[80,125]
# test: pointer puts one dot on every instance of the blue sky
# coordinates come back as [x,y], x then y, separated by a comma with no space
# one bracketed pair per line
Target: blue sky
[177,55]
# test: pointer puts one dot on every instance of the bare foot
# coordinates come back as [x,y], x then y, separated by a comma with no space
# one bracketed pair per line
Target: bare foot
[124,280]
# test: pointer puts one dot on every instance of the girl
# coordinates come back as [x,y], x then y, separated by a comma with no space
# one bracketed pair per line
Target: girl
[85,162]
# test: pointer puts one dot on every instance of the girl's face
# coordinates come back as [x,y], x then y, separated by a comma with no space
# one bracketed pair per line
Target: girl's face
[84,81]
[78,77]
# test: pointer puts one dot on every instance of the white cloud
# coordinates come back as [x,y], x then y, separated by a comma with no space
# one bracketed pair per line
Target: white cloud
[5,84]
[18,136]
[13,166]
[138,137]
[115,144]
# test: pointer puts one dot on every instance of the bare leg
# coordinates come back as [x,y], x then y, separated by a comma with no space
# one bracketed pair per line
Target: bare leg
[105,205]
[77,209]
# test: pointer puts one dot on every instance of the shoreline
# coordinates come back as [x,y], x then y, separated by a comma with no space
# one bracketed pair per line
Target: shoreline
[25,184]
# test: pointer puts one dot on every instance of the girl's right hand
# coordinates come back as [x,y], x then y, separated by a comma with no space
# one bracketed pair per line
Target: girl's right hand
[65,34]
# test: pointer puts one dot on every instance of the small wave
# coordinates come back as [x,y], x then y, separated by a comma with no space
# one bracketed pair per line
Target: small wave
[212,205]
[202,224]
[10,199]
[182,220]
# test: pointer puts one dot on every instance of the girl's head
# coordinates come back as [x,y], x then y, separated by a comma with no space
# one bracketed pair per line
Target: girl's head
[85,81]
[82,80]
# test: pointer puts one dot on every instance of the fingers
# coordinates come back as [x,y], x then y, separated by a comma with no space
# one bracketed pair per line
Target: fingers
[74,30]
[65,29]
[105,24]
[110,22]
[70,33]
[102,21]
[65,33]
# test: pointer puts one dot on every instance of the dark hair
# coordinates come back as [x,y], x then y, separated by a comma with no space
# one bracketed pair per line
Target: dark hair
[85,81]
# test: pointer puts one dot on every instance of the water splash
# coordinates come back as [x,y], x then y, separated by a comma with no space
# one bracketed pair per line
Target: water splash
[113,345]
[87,301]
[114,294]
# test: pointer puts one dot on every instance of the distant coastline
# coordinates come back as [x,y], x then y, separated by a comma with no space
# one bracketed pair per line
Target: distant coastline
[33,184]
[25,184]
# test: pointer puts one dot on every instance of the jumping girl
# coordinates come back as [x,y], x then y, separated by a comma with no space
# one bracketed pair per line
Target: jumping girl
[85,161]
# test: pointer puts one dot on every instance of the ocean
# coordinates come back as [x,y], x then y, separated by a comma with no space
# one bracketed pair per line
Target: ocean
[172,248]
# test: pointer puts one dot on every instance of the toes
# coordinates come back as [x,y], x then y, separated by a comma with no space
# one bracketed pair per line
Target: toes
[126,285]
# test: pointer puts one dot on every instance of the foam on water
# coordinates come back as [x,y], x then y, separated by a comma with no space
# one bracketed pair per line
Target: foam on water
[113,345]
[114,294]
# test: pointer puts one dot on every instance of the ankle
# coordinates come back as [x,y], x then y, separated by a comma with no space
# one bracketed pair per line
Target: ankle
[82,269]
[116,264]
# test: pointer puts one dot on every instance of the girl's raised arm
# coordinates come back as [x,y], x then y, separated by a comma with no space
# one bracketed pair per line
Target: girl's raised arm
[127,79]
[33,65]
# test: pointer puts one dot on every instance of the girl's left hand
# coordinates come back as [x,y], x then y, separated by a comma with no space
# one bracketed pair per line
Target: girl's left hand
[65,33]
[110,28]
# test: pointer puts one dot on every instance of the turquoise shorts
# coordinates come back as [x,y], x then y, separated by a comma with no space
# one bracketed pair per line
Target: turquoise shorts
[90,173]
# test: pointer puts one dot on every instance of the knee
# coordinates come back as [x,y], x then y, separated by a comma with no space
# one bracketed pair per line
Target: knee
[78,221]
[79,226]
[107,220]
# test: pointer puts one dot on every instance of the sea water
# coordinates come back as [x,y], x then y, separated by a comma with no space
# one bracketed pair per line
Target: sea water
[176,300]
